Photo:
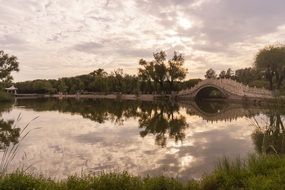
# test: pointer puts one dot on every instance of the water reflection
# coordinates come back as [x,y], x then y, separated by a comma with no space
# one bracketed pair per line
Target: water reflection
[269,137]
[9,134]
[5,107]
[212,107]
[161,120]
[119,111]
[214,111]
[171,138]
[9,141]
[93,109]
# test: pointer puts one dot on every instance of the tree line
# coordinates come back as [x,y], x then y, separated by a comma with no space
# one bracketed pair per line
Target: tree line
[268,70]
[156,76]
[160,75]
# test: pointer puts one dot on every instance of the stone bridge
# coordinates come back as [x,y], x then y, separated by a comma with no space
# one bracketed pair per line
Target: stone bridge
[229,88]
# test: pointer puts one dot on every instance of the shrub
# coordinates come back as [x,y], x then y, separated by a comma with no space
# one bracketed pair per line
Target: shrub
[5,97]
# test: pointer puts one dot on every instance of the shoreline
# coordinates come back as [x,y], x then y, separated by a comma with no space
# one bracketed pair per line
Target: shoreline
[147,97]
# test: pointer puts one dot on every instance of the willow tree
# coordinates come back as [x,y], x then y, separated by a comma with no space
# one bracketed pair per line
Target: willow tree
[176,71]
[147,75]
[160,70]
[8,64]
[271,61]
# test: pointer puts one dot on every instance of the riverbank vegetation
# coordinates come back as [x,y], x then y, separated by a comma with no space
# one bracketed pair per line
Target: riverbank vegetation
[267,72]
[156,76]
[257,172]
[5,97]
[161,75]
[8,64]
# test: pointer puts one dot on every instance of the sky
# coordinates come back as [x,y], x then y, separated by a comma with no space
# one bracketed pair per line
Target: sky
[62,38]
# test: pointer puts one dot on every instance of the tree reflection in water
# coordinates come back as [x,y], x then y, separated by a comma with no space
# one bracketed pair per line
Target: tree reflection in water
[269,137]
[163,121]
[10,138]
[9,134]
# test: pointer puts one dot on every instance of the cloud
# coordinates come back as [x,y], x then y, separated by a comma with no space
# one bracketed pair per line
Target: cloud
[226,33]
[11,40]
[88,47]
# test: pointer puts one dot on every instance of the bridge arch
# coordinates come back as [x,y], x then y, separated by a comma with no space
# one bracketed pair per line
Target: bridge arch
[210,91]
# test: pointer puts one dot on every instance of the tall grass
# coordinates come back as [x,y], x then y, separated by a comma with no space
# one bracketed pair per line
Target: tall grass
[257,172]
[11,151]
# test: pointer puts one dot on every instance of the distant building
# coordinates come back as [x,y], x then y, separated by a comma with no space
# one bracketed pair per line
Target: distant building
[11,90]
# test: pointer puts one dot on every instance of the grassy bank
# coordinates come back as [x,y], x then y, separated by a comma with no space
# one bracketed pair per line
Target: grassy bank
[258,172]
[4,97]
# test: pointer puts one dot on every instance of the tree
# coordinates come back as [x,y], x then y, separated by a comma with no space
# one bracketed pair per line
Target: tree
[247,75]
[160,71]
[175,69]
[271,61]
[229,73]
[62,87]
[222,74]
[160,68]
[147,75]
[99,73]
[210,74]
[8,64]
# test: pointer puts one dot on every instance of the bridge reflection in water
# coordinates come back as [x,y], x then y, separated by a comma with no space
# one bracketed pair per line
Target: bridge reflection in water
[221,110]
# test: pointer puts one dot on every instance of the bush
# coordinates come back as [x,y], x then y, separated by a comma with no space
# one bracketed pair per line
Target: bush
[5,97]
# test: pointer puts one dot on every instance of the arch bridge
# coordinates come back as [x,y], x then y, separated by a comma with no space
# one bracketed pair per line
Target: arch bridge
[227,89]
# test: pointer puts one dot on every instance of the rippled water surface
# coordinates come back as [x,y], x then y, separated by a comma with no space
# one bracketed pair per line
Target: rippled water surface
[184,139]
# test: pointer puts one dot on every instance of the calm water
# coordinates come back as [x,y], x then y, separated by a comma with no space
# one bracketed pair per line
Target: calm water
[155,138]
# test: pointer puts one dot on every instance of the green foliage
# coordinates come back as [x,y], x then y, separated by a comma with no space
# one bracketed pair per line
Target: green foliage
[158,75]
[257,172]
[188,83]
[8,64]
[176,71]
[210,74]
[8,133]
[222,74]
[5,97]
[97,81]
[259,84]
[271,61]
[269,139]
[161,72]
[165,122]
[247,75]
[240,174]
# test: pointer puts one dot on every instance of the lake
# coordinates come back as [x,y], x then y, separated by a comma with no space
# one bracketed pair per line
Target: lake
[184,139]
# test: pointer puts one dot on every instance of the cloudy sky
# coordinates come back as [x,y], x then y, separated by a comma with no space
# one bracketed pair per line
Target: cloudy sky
[56,38]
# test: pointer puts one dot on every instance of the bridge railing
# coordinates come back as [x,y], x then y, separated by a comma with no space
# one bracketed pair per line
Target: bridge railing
[231,86]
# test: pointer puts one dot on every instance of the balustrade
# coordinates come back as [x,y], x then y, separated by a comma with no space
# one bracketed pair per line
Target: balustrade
[230,86]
